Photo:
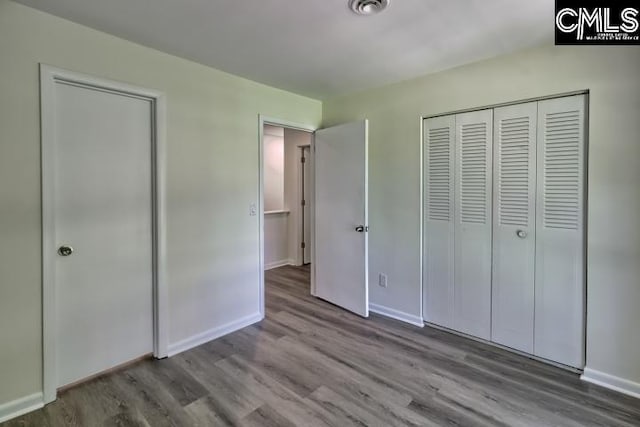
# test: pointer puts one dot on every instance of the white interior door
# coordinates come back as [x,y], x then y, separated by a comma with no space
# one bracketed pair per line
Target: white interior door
[306,207]
[560,281]
[514,225]
[102,209]
[341,255]
[473,212]
[439,136]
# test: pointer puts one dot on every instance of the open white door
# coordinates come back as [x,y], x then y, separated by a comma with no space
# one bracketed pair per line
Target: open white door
[341,243]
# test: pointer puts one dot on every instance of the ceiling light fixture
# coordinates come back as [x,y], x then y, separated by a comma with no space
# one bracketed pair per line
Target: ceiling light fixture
[368,7]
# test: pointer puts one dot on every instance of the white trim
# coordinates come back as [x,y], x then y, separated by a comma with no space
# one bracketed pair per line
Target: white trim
[366,225]
[298,216]
[299,258]
[49,77]
[422,211]
[611,382]
[161,313]
[312,213]
[262,120]
[21,406]
[397,315]
[279,212]
[213,333]
[280,263]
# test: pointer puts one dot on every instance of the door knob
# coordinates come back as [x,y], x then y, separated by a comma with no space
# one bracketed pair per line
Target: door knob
[521,234]
[362,229]
[65,250]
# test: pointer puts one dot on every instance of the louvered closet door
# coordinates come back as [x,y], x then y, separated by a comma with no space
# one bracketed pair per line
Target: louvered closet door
[472,265]
[560,282]
[514,225]
[439,135]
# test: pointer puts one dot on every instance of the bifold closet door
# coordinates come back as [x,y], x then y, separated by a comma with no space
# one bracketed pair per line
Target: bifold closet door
[514,226]
[559,280]
[439,135]
[473,213]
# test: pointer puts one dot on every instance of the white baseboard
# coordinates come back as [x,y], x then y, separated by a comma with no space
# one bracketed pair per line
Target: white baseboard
[612,382]
[276,264]
[212,334]
[21,406]
[398,315]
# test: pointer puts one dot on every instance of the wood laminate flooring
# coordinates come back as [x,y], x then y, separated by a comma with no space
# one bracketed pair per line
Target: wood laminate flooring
[310,363]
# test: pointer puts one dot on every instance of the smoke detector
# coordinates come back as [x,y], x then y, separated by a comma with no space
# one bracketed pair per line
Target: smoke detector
[368,7]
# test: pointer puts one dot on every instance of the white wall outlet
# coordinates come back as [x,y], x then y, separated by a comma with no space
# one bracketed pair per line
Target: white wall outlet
[253,209]
[382,280]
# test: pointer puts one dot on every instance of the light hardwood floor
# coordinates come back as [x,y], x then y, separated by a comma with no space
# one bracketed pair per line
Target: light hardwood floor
[310,363]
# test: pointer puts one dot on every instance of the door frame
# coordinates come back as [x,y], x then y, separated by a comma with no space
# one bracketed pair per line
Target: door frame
[300,184]
[265,120]
[49,77]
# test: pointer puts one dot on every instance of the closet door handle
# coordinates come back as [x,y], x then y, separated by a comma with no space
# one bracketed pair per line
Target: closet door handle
[521,234]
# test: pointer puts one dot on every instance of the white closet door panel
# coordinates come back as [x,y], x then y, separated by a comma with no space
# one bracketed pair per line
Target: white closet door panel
[472,288]
[514,225]
[559,282]
[439,134]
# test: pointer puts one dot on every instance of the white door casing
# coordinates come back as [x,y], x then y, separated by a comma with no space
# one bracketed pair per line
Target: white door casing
[473,212]
[439,137]
[340,205]
[102,158]
[560,253]
[307,184]
[514,195]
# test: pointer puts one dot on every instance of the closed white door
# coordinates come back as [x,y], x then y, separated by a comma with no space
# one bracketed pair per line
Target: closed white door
[514,225]
[306,208]
[560,254]
[341,255]
[103,230]
[439,136]
[472,277]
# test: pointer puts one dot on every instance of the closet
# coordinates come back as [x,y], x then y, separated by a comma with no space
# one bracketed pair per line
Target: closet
[504,226]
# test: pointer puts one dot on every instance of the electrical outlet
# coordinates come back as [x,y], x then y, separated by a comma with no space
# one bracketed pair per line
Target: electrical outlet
[382,280]
[253,209]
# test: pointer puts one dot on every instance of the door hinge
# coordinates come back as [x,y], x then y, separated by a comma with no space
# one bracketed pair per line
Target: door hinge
[303,159]
[303,245]
[303,202]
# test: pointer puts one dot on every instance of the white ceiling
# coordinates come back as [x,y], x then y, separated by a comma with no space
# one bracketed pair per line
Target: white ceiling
[319,48]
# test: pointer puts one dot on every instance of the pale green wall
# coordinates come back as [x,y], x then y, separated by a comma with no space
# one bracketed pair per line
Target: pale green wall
[212,126]
[612,74]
